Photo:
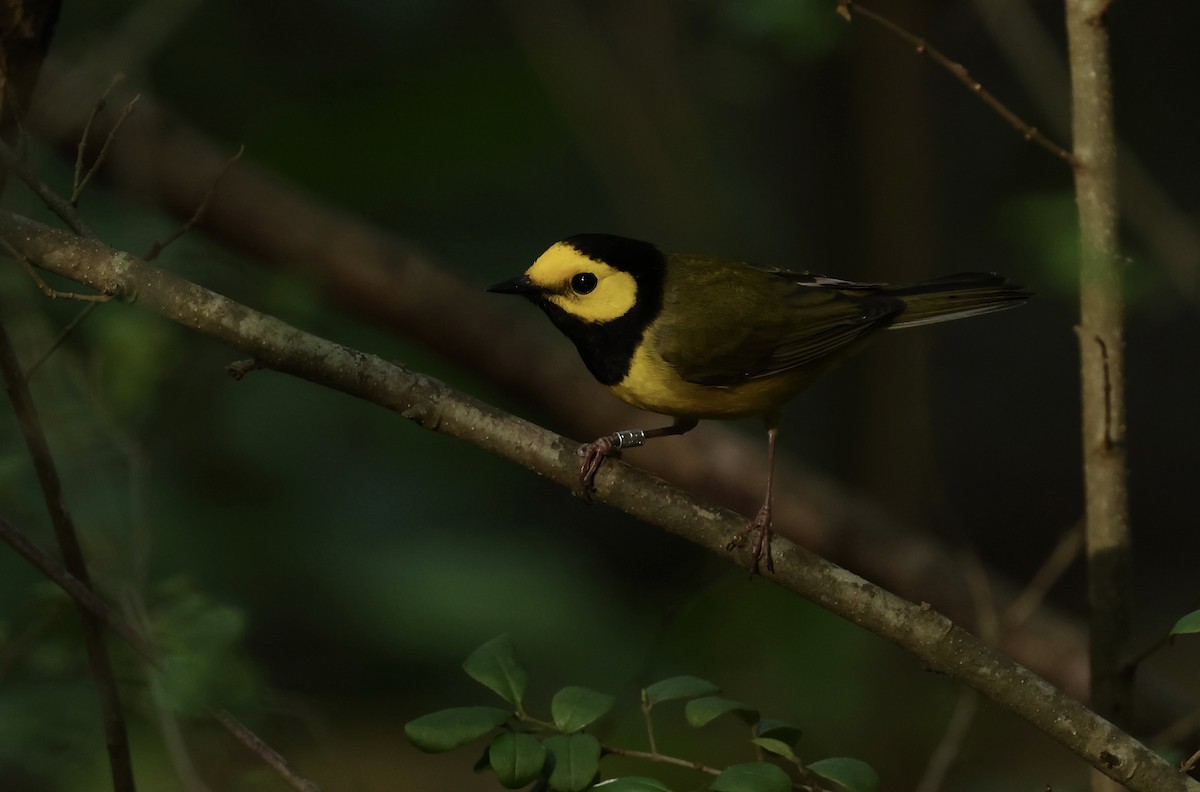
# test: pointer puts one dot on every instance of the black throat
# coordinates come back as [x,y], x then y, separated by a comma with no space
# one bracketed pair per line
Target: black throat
[607,347]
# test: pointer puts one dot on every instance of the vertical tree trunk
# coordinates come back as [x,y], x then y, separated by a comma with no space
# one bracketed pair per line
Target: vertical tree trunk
[1102,351]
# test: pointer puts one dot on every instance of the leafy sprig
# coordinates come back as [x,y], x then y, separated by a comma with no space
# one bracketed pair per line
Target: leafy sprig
[559,755]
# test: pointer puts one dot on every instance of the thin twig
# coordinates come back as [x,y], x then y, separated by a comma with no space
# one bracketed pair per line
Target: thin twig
[700,767]
[950,746]
[1190,764]
[1130,666]
[1181,729]
[1056,563]
[265,752]
[45,288]
[62,337]
[116,736]
[846,8]
[80,186]
[76,590]
[649,724]
[1164,639]
[663,759]
[53,201]
[688,763]
[240,368]
[987,620]
[81,147]
[157,248]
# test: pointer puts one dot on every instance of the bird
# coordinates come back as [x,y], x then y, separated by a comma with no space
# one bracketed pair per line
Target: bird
[695,337]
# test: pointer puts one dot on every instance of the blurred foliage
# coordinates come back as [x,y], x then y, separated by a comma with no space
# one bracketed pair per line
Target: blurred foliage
[804,30]
[201,640]
[319,566]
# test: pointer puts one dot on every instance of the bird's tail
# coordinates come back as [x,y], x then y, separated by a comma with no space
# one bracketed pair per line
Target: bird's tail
[955,297]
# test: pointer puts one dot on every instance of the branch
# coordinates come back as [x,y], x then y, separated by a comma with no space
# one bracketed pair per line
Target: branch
[383,279]
[81,148]
[12,161]
[81,184]
[942,759]
[1102,352]
[78,591]
[158,247]
[255,745]
[941,646]
[44,287]
[115,734]
[1055,565]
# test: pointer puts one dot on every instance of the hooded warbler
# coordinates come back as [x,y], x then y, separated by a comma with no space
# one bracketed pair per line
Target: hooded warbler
[697,337]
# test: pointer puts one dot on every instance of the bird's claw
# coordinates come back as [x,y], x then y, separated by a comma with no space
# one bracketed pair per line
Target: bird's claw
[596,452]
[593,455]
[761,526]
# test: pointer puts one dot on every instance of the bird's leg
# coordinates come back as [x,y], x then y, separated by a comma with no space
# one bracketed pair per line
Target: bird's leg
[761,524]
[593,454]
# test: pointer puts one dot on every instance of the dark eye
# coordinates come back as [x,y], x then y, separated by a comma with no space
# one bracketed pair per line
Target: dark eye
[583,283]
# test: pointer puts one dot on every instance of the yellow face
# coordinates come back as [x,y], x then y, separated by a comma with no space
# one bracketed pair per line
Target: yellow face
[585,288]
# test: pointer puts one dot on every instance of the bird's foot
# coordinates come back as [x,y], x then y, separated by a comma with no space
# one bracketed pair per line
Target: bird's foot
[593,455]
[761,527]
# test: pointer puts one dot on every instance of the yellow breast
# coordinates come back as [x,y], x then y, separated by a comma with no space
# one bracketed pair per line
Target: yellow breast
[653,384]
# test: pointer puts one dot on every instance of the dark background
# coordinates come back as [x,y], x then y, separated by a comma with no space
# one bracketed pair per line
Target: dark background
[331,565]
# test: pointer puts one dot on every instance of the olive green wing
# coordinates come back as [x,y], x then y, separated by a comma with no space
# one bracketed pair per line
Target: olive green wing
[726,322]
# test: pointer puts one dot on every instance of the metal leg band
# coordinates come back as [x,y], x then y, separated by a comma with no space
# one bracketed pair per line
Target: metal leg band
[628,438]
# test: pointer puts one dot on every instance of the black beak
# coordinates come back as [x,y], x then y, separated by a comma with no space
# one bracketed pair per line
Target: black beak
[518,285]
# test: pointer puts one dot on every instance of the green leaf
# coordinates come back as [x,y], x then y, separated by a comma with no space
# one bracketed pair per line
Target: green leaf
[495,666]
[576,761]
[752,777]
[679,687]
[855,775]
[702,710]
[574,708]
[517,759]
[777,729]
[449,728]
[777,747]
[632,784]
[1188,624]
